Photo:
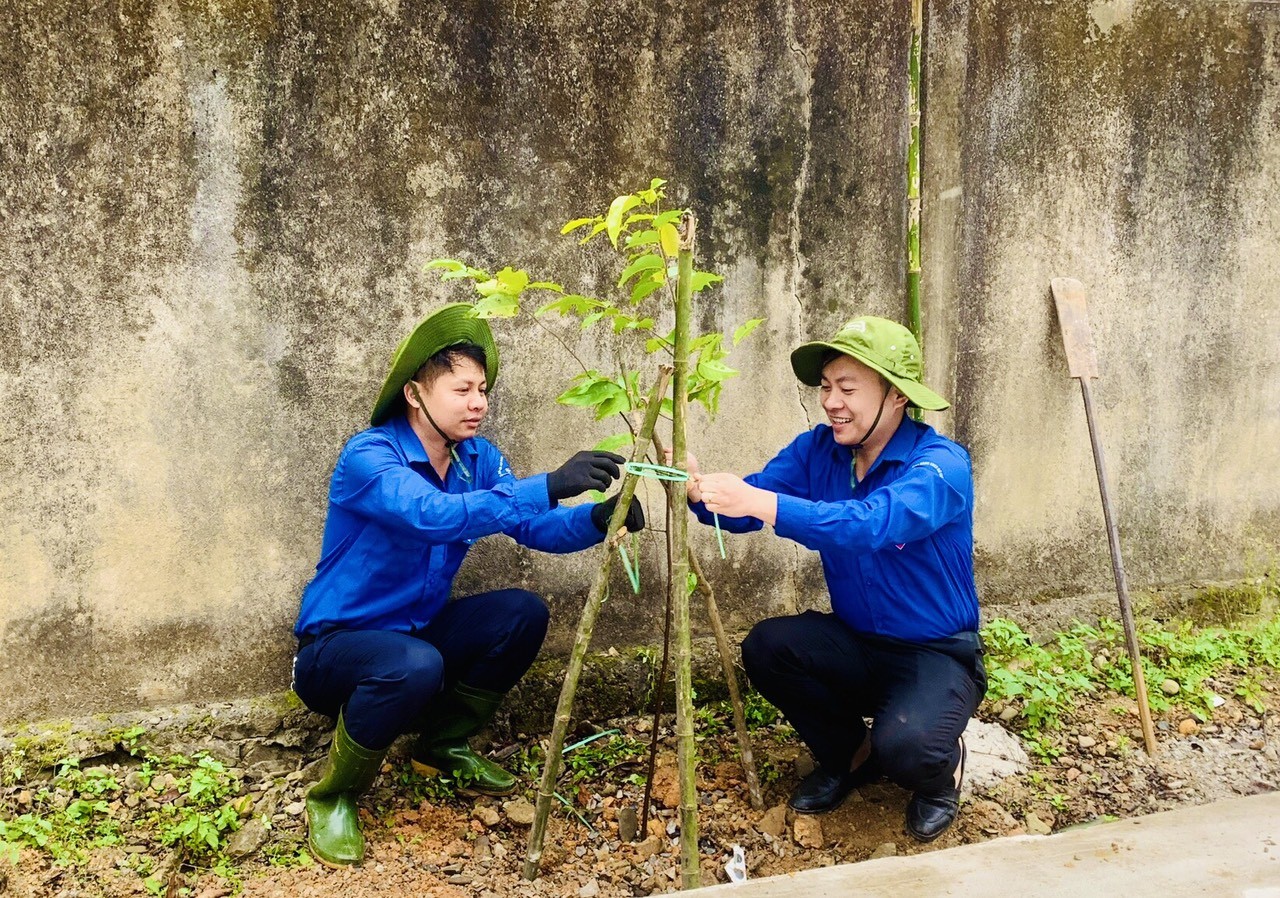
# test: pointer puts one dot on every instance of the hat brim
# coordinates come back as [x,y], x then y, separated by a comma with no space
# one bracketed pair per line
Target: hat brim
[448,326]
[806,362]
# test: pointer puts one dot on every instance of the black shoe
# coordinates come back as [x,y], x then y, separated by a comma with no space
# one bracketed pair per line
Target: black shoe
[929,814]
[822,791]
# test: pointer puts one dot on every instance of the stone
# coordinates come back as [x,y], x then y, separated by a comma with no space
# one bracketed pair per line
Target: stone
[885,849]
[487,815]
[649,847]
[774,821]
[1188,727]
[1009,713]
[628,824]
[807,831]
[590,889]
[993,755]
[247,839]
[1170,687]
[1036,826]
[519,811]
[1086,741]
[804,764]
[295,808]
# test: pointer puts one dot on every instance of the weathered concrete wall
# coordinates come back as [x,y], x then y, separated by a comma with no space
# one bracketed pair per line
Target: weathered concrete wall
[215,216]
[1132,145]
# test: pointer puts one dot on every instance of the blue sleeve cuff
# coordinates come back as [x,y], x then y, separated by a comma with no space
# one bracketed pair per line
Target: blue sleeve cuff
[792,520]
[531,496]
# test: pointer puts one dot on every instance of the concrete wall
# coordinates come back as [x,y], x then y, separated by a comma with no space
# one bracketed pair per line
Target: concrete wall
[215,216]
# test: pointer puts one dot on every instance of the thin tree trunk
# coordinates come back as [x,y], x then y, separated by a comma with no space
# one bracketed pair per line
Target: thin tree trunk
[726,655]
[913,182]
[686,757]
[551,764]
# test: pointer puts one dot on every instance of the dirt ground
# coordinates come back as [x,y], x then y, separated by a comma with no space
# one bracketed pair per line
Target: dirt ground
[474,847]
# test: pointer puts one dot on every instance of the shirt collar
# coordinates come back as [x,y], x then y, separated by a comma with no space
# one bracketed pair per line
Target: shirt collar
[900,445]
[412,447]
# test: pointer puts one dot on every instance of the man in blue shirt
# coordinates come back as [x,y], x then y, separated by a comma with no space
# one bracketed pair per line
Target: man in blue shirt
[888,504]
[380,647]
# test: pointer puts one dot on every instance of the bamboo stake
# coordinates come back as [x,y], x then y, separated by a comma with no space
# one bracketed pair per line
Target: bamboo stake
[659,684]
[686,759]
[551,764]
[726,658]
[913,182]
[731,680]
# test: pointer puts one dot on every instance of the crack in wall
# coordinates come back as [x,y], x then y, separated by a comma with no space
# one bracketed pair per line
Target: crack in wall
[804,84]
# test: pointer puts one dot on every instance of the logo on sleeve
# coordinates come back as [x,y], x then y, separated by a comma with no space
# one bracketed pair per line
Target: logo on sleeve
[504,469]
[929,464]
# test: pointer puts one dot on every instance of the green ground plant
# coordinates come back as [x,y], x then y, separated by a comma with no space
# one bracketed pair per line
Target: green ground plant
[1044,681]
[76,810]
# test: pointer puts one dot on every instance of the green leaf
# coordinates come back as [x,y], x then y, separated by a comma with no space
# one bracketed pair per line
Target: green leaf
[646,286]
[669,217]
[577,223]
[704,279]
[449,264]
[612,404]
[641,238]
[670,239]
[613,443]
[691,582]
[613,220]
[713,370]
[647,262]
[653,344]
[596,316]
[545,285]
[497,305]
[570,304]
[590,389]
[599,226]
[741,333]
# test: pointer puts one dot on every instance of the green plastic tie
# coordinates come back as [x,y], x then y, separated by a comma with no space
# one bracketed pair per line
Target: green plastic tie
[675,475]
[633,573]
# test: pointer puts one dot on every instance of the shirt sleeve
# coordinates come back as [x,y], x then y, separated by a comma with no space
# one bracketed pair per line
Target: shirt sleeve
[372,480]
[932,492]
[786,474]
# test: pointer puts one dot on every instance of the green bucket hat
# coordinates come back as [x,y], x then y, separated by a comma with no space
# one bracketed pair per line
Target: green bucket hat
[884,346]
[445,327]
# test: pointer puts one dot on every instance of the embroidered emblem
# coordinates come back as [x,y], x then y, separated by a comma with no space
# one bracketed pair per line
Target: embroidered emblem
[504,469]
[929,464]
[900,546]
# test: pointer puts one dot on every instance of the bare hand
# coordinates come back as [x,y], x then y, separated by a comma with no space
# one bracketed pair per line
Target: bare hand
[691,465]
[729,494]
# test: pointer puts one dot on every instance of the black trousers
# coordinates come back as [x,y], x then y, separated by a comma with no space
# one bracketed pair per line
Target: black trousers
[825,679]
[386,680]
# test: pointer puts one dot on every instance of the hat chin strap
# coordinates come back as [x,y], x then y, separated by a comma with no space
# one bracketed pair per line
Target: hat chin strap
[450,443]
[866,436]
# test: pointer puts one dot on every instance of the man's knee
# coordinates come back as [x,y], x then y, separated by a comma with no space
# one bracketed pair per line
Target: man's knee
[410,667]
[523,611]
[764,646]
[910,755]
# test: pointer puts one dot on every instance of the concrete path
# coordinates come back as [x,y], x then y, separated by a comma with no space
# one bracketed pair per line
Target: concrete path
[1229,849]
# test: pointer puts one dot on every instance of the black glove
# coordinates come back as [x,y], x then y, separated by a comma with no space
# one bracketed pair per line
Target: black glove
[585,471]
[602,514]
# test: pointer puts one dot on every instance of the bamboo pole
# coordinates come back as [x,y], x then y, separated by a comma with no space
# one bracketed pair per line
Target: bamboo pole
[551,764]
[726,658]
[913,183]
[686,759]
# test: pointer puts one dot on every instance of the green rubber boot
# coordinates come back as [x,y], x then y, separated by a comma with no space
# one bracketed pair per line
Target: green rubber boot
[333,821]
[442,748]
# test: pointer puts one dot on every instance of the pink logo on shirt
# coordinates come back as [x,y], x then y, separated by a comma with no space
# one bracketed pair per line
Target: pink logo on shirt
[900,546]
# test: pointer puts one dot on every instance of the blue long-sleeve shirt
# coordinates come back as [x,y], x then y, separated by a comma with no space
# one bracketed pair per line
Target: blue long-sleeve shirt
[395,535]
[897,547]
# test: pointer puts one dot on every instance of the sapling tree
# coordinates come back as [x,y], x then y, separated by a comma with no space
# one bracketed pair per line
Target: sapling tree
[656,250]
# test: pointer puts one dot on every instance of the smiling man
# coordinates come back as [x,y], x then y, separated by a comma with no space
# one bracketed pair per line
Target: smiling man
[888,504]
[381,649]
